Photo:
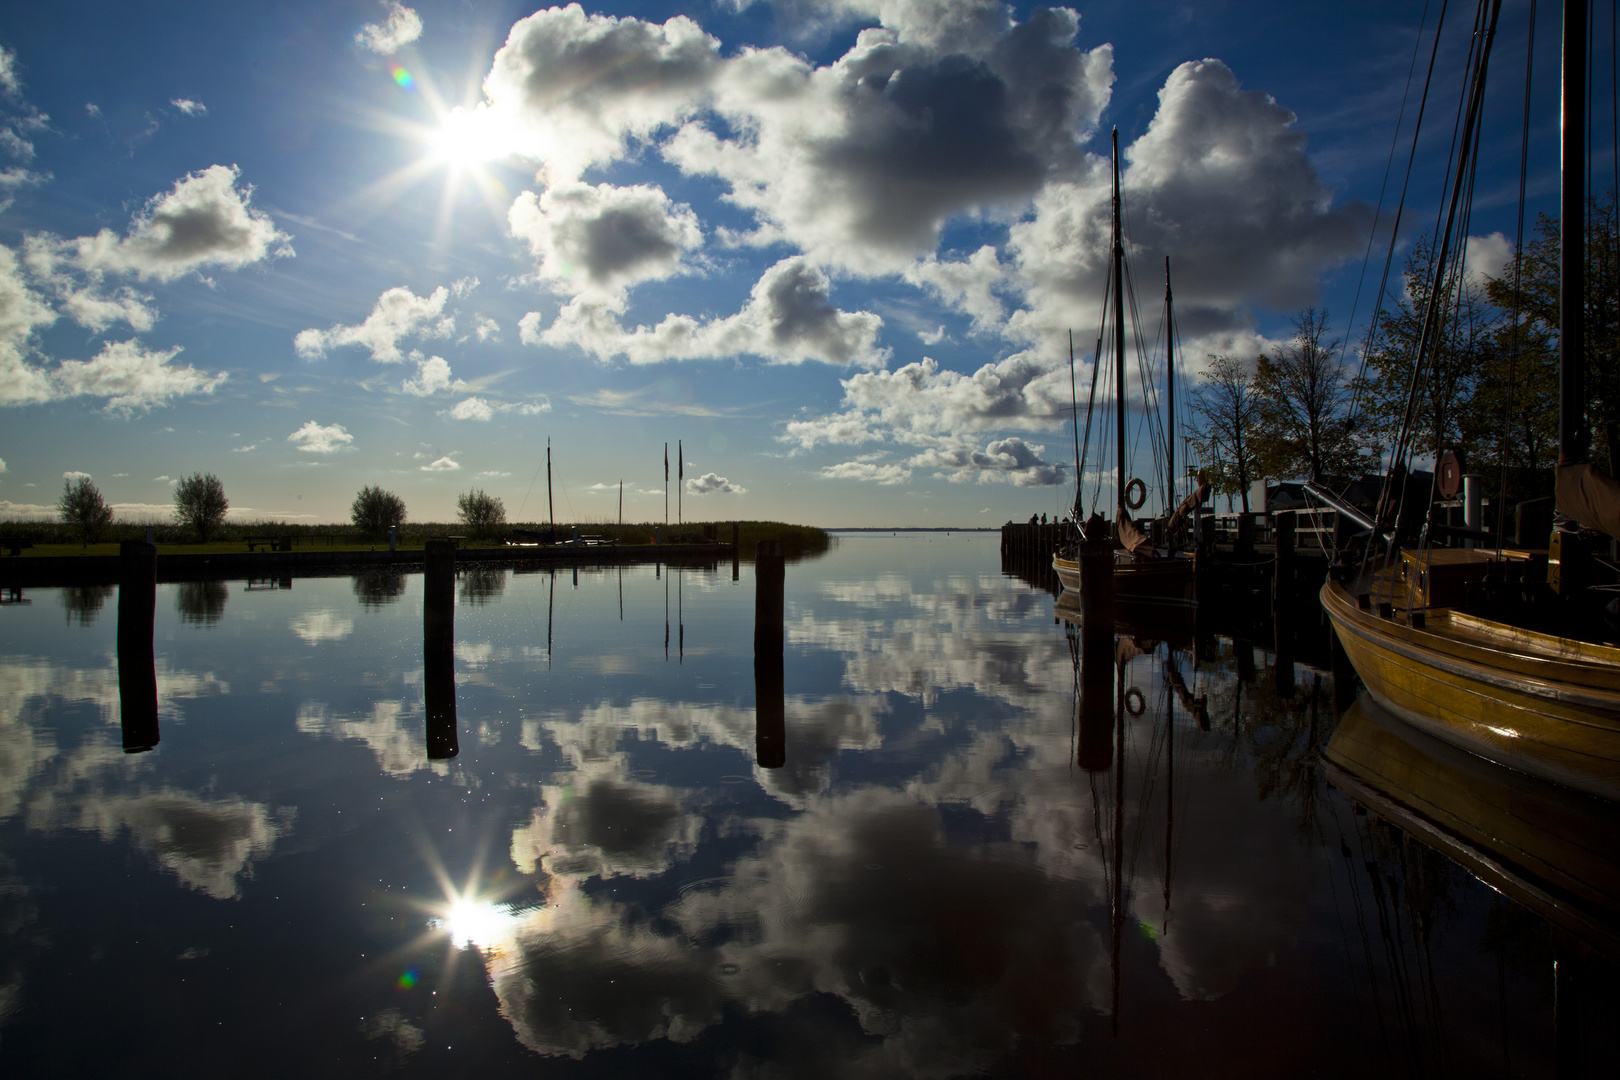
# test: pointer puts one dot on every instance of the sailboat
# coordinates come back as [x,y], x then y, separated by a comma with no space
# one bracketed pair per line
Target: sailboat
[1144,572]
[1463,643]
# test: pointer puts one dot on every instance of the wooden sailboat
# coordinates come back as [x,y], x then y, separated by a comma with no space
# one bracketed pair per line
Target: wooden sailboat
[1530,681]
[1143,573]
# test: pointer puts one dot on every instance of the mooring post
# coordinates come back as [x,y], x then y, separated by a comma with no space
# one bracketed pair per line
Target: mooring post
[736,551]
[438,648]
[1244,544]
[1282,582]
[137,674]
[770,731]
[1096,750]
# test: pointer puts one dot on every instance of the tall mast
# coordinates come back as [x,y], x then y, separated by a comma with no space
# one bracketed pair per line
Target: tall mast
[1170,390]
[1119,336]
[551,511]
[1573,436]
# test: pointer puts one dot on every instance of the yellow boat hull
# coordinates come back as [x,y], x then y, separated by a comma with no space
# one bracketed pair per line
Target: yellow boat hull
[1546,706]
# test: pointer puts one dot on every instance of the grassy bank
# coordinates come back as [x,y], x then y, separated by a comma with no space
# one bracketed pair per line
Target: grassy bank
[55,538]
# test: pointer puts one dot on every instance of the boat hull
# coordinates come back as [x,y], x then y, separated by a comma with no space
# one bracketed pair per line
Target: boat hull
[1159,582]
[1521,704]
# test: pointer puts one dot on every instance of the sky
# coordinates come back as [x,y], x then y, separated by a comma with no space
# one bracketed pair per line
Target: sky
[830,249]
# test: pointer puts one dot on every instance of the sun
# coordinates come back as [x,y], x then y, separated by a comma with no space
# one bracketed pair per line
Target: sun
[469,138]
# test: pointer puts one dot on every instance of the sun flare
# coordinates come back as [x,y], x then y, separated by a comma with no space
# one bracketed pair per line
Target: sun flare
[468,138]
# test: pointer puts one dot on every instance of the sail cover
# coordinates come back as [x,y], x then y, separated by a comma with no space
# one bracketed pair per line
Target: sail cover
[1131,538]
[1590,497]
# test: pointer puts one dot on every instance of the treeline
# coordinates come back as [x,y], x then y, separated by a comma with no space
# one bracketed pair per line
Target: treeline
[1488,387]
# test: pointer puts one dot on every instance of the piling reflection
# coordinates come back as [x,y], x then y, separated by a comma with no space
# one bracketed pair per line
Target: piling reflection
[439,649]
[137,666]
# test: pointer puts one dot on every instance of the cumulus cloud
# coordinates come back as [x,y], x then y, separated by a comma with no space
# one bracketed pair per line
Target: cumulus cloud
[398,314]
[886,473]
[312,438]
[710,484]
[574,89]
[861,163]
[132,377]
[432,375]
[789,318]
[444,464]
[1487,257]
[402,26]
[190,107]
[487,329]
[968,285]
[604,237]
[206,221]
[22,312]
[1008,460]
[477,408]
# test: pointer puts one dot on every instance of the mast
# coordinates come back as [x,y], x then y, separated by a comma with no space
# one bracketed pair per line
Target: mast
[551,511]
[1074,415]
[1573,435]
[1119,336]
[1170,391]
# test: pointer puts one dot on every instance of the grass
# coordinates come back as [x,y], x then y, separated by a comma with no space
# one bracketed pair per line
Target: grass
[54,538]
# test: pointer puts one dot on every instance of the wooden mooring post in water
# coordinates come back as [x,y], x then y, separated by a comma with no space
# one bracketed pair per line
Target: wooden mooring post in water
[137,675]
[438,648]
[770,723]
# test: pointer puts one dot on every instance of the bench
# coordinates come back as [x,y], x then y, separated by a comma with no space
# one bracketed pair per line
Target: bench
[458,541]
[269,543]
[15,544]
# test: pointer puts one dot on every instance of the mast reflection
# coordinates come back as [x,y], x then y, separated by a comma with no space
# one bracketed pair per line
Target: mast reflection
[137,673]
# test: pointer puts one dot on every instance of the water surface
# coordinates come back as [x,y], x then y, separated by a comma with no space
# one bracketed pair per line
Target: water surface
[962,865]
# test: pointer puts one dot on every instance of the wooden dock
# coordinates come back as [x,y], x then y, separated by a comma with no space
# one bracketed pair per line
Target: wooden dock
[45,571]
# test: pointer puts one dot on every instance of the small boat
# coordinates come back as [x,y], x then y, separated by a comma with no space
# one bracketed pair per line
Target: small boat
[1470,644]
[1144,572]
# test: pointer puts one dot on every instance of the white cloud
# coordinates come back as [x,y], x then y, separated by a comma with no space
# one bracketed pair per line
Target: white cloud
[1008,460]
[432,375]
[22,312]
[444,464]
[2,465]
[402,26]
[10,80]
[398,314]
[487,329]
[968,286]
[888,474]
[312,438]
[318,626]
[492,475]
[789,318]
[205,221]
[75,474]
[604,238]
[477,408]
[1487,257]
[573,90]
[189,107]
[710,484]
[132,377]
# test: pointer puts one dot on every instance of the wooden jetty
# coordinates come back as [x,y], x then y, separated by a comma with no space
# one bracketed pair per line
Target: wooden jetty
[44,571]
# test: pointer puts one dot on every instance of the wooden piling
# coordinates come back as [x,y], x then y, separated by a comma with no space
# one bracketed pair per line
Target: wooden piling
[769,577]
[770,725]
[438,648]
[736,551]
[1282,579]
[137,673]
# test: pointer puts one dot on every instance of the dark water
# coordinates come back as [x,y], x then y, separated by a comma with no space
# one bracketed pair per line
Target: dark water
[961,868]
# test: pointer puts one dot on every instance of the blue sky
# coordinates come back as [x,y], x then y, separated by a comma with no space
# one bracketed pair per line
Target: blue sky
[833,246]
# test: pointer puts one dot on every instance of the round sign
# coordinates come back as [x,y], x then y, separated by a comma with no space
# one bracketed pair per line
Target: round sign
[1448,474]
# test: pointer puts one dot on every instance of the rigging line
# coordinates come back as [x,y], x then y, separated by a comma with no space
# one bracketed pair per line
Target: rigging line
[1074,417]
[1469,133]
[519,515]
[1400,211]
[1389,166]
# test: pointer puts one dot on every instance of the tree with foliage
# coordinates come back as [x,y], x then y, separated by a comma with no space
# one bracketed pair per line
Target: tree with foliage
[481,513]
[375,511]
[1539,275]
[1463,354]
[1303,391]
[82,506]
[199,501]
[1225,412]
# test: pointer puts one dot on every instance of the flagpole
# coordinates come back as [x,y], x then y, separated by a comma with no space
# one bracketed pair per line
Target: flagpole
[666,485]
[680,484]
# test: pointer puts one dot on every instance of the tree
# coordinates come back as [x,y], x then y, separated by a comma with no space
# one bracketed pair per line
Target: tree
[199,501]
[1225,412]
[82,506]
[375,511]
[1463,353]
[481,513]
[1304,398]
[1539,271]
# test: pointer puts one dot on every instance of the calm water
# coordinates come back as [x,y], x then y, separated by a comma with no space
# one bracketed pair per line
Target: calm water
[605,882]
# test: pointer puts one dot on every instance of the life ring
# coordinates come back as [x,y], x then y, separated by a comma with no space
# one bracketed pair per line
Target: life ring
[1139,706]
[1140,491]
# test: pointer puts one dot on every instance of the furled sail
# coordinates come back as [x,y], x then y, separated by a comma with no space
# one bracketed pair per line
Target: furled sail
[1590,497]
